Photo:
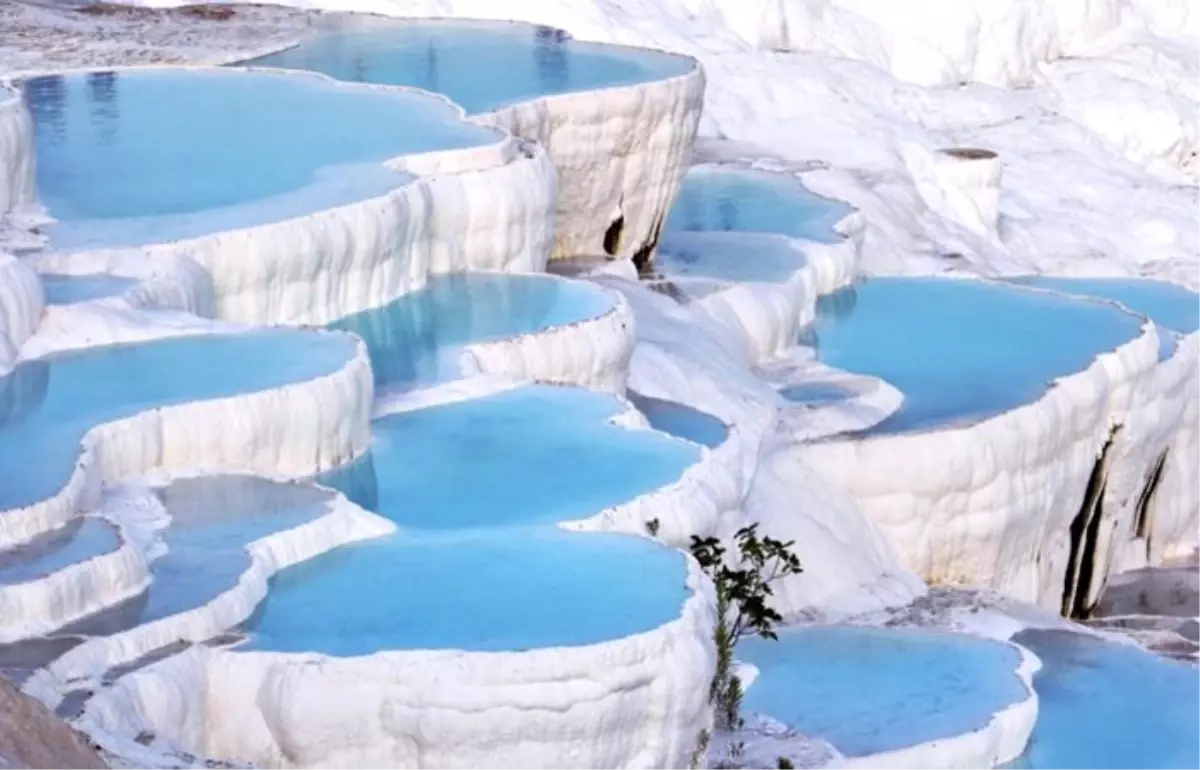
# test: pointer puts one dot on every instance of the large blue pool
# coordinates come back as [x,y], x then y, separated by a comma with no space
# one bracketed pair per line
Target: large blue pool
[68,289]
[868,690]
[79,541]
[418,338]
[1174,309]
[41,431]
[153,155]
[731,200]
[1110,705]
[964,350]
[480,65]
[732,257]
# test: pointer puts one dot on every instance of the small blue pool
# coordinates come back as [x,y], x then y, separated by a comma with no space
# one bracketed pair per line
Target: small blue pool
[816,394]
[68,289]
[142,156]
[417,339]
[50,552]
[511,590]
[534,455]
[964,350]
[730,200]
[681,421]
[1171,307]
[1110,705]
[213,519]
[39,438]
[480,65]
[868,690]
[732,257]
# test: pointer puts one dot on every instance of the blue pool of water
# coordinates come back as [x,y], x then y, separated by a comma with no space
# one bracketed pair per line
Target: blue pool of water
[39,439]
[534,455]
[963,350]
[681,421]
[148,156]
[66,289]
[1169,306]
[213,519]
[734,257]
[417,339]
[480,65]
[726,200]
[513,590]
[48,553]
[816,394]
[868,690]
[1110,705]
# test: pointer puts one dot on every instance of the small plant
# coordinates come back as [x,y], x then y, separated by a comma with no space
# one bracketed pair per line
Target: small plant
[742,594]
[652,527]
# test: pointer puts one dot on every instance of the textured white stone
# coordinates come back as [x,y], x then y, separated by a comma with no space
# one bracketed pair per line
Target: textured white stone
[21,301]
[640,701]
[959,183]
[16,151]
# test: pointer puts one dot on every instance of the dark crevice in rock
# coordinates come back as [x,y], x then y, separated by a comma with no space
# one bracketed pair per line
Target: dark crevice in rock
[612,236]
[1143,514]
[1085,536]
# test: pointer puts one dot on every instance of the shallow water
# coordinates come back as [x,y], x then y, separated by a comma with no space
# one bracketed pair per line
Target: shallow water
[147,156]
[1110,705]
[816,394]
[48,553]
[1170,306]
[963,350]
[68,289]
[479,65]
[867,690]
[728,200]
[734,257]
[680,420]
[55,401]
[417,339]
[515,589]
[534,455]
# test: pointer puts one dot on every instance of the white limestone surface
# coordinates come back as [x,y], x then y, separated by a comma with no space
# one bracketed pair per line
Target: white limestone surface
[341,523]
[16,151]
[21,302]
[991,503]
[639,701]
[295,430]
[593,353]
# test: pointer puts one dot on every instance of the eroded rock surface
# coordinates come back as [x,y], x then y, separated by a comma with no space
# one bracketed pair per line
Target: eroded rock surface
[32,736]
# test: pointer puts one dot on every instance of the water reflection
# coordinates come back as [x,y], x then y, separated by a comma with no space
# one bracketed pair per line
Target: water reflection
[550,56]
[46,99]
[102,103]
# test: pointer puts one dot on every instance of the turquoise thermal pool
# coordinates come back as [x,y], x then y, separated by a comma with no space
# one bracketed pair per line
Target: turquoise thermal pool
[68,289]
[140,156]
[479,65]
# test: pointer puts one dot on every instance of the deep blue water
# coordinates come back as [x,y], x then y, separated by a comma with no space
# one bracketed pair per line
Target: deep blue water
[868,690]
[148,156]
[1110,705]
[727,200]
[480,65]
[1171,307]
[67,289]
[48,553]
[47,405]
[963,350]
[417,338]
[680,420]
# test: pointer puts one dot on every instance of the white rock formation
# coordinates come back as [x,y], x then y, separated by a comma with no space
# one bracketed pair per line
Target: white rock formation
[16,151]
[21,301]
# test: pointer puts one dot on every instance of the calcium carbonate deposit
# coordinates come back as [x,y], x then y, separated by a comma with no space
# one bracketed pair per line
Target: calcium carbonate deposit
[374,373]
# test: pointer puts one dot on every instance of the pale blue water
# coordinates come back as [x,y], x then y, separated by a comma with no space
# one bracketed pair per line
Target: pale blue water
[816,394]
[213,519]
[480,65]
[417,338]
[1168,305]
[511,590]
[734,257]
[534,455]
[148,156]
[721,200]
[964,350]
[680,420]
[50,552]
[39,441]
[1110,705]
[868,690]
[67,289]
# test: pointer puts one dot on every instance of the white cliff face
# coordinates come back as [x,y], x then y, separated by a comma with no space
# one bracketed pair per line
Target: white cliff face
[21,301]
[620,154]
[16,152]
